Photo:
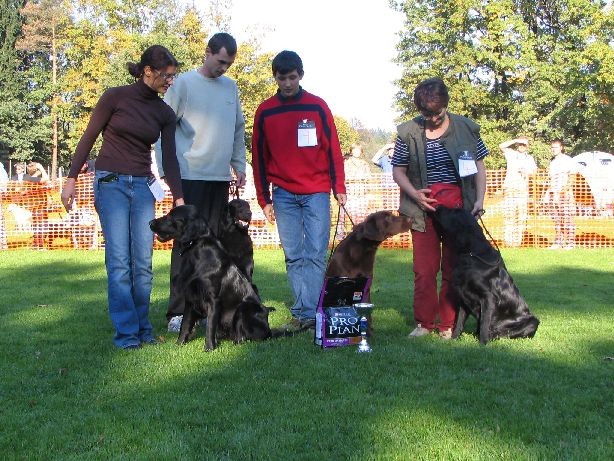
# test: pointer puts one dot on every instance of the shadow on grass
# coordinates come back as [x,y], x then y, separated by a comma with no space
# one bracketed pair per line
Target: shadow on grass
[68,393]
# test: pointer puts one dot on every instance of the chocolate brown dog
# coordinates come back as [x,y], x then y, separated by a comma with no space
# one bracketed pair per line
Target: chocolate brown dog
[355,254]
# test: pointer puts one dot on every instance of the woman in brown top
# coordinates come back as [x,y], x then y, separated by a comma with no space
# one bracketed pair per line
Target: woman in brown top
[130,118]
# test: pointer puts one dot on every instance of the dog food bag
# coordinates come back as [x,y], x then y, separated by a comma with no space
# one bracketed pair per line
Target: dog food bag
[337,321]
[337,326]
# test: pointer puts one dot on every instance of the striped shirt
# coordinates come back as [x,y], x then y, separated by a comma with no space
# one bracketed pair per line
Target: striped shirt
[439,165]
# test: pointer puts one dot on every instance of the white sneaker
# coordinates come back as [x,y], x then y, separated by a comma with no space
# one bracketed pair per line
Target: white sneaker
[174,324]
[446,334]
[419,331]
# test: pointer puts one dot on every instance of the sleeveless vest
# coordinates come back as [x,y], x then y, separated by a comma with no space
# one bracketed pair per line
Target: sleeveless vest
[462,135]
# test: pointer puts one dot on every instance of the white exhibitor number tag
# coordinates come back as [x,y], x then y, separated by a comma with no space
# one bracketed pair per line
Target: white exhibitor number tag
[466,164]
[155,188]
[307,136]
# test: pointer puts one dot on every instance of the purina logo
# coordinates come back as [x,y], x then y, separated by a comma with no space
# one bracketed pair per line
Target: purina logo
[343,323]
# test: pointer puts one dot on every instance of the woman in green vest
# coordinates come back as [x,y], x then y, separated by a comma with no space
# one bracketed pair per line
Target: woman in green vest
[438,160]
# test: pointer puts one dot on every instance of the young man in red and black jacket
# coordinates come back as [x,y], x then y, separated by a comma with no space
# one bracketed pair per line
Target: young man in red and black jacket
[295,149]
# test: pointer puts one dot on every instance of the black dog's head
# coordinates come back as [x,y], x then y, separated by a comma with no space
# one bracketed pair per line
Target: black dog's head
[182,223]
[380,225]
[238,214]
[251,321]
[462,226]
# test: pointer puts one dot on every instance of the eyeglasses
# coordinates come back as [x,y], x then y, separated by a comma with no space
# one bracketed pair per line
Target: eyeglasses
[166,76]
[428,114]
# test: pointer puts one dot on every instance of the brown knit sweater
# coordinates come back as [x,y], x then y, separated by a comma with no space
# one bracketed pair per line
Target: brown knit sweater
[131,118]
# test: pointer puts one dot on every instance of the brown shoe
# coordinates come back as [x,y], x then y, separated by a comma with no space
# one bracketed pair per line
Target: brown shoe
[292,326]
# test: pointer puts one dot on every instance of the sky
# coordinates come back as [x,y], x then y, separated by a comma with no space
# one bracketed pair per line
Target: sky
[347,48]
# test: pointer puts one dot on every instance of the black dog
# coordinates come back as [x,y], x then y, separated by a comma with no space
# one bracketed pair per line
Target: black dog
[482,283]
[234,235]
[213,285]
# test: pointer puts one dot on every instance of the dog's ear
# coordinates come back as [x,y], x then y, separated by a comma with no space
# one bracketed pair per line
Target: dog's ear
[194,228]
[226,219]
[369,228]
[269,308]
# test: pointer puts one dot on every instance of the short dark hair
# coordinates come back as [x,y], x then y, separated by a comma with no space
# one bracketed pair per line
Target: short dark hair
[156,56]
[287,61]
[222,40]
[429,91]
[559,141]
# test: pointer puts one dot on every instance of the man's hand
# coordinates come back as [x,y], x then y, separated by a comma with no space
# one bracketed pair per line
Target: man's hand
[269,213]
[341,198]
[240,180]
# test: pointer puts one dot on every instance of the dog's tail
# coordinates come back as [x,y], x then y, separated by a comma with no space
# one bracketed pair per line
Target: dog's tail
[283,333]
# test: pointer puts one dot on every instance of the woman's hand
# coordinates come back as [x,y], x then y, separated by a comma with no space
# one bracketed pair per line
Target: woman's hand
[422,199]
[68,193]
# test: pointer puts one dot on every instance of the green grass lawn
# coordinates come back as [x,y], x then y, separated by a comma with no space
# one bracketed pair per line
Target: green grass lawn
[67,393]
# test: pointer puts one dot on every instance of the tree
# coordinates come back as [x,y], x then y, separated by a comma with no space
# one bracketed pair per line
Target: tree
[347,134]
[11,111]
[45,21]
[540,68]
[24,121]
[252,72]
[71,51]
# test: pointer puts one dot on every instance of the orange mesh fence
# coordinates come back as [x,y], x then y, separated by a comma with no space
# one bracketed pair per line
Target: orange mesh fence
[32,215]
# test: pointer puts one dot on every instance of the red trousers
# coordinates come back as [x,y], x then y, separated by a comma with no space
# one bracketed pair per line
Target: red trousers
[432,253]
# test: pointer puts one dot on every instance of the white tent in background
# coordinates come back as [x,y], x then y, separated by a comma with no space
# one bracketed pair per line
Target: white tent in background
[598,170]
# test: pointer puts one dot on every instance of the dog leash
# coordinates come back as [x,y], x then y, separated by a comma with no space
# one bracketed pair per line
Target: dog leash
[494,242]
[498,261]
[332,248]
[233,189]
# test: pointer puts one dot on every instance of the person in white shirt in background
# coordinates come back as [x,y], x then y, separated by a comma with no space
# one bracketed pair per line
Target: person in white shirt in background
[520,165]
[210,140]
[559,196]
[4,179]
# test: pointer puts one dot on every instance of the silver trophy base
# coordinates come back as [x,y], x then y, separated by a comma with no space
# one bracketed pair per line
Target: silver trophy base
[363,346]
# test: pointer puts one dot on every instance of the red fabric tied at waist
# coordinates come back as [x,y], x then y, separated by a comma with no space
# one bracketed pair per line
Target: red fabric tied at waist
[448,195]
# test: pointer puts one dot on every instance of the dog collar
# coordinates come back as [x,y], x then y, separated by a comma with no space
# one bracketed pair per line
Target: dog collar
[479,258]
[186,247]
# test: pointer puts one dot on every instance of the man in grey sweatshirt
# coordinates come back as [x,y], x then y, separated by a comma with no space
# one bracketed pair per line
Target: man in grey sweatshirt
[210,140]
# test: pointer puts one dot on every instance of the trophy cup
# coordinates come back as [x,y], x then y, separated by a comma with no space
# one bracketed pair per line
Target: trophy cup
[363,309]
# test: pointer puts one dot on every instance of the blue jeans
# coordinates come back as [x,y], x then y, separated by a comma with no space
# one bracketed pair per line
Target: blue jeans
[303,223]
[125,206]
